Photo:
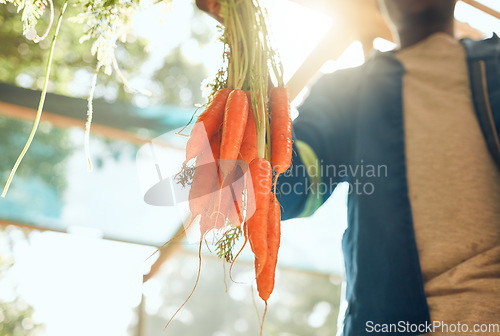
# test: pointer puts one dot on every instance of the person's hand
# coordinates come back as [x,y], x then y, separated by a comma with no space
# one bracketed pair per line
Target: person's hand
[212,7]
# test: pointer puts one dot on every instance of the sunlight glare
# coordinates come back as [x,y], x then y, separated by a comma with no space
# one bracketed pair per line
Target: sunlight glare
[295,30]
[383,45]
[352,57]
[478,19]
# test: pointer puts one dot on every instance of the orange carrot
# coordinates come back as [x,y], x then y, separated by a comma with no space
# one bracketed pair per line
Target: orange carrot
[235,212]
[261,172]
[206,224]
[214,215]
[265,281]
[281,130]
[222,201]
[248,150]
[205,178]
[229,202]
[204,184]
[207,124]
[235,119]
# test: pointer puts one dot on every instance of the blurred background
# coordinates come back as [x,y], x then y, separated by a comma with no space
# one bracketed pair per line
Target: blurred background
[75,247]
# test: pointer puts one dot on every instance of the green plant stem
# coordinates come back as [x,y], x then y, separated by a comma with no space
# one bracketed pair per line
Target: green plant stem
[90,112]
[233,38]
[271,54]
[264,82]
[244,53]
[261,95]
[40,105]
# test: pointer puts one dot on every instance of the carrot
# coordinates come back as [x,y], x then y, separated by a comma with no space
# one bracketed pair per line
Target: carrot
[235,212]
[207,124]
[248,150]
[261,172]
[222,201]
[265,281]
[204,184]
[235,119]
[210,152]
[229,202]
[214,214]
[281,130]
[205,178]
[206,224]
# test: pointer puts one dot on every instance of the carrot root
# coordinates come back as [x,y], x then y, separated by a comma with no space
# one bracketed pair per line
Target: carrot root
[263,318]
[192,291]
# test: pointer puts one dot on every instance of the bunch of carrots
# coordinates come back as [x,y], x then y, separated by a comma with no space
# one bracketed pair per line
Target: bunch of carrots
[246,127]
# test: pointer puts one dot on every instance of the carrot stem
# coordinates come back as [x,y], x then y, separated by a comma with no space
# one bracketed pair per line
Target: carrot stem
[263,318]
[244,55]
[194,288]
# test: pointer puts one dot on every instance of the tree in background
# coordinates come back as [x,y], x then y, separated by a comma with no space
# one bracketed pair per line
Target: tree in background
[176,81]
[16,316]
[24,62]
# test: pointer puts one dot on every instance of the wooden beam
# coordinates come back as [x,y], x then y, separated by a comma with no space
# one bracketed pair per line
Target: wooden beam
[484,8]
[33,227]
[352,20]
[167,250]
[330,47]
[28,114]
[30,227]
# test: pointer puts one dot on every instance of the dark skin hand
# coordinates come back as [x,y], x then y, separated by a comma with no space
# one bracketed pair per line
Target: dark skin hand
[211,7]
[414,20]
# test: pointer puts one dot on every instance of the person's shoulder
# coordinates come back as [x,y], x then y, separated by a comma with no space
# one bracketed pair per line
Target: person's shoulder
[377,63]
[482,49]
[343,80]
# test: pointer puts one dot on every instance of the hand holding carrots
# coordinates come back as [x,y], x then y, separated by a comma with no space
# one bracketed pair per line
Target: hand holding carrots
[211,7]
[246,127]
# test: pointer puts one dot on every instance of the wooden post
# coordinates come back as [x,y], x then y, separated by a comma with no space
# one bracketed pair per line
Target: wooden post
[331,46]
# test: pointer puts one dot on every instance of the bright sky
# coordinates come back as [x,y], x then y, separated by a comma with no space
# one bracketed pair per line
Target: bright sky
[79,282]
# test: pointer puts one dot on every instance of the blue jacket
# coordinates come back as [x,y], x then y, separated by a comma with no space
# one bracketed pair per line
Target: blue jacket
[350,129]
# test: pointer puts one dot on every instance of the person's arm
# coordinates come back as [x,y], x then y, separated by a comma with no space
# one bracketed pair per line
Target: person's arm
[322,144]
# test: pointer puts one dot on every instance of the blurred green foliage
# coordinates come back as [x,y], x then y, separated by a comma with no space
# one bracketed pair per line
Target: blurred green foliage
[23,62]
[16,319]
[16,316]
[180,81]
[46,158]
